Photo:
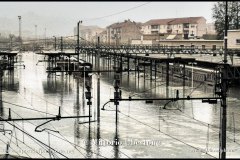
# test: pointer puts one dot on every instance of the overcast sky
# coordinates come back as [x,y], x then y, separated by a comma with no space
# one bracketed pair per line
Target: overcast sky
[68,13]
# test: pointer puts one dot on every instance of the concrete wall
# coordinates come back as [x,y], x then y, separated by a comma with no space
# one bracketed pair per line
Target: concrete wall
[197,43]
[141,42]
[129,33]
[233,35]
[201,27]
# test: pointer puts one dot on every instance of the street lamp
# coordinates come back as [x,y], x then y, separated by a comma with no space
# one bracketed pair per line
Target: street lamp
[19,18]
[20,38]
[78,25]
[55,43]
[35,32]
[45,36]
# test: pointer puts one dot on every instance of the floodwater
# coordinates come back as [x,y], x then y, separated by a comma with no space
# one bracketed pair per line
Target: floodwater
[185,129]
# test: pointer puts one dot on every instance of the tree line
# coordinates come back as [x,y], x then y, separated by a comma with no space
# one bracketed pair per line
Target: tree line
[218,15]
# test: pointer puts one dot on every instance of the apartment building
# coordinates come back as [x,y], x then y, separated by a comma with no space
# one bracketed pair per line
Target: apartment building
[123,32]
[188,27]
[103,36]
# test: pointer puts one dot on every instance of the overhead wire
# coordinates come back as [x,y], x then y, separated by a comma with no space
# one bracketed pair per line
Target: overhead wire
[168,135]
[64,138]
[36,139]
[11,147]
[68,114]
[44,147]
[26,107]
[91,19]
[17,145]
[28,147]
[204,123]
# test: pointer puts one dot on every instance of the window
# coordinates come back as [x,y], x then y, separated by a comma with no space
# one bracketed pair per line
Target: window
[154,32]
[185,25]
[203,46]
[154,26]
[238,41]
[214,47]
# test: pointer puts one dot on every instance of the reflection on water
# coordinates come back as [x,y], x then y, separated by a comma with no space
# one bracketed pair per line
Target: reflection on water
[10,81]
[116,141]
[89,143]
[1,103]
[65,91]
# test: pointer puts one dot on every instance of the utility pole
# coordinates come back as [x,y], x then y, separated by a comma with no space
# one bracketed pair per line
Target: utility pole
[224,78]
[98,83]
[61,44]
[20,31]
[35,32]
[36,37]
[55,43]
[237,15]
[45,41]
[11,39]
[78,40]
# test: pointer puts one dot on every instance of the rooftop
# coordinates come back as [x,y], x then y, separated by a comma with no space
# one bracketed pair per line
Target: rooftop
[122,24]
[173,20]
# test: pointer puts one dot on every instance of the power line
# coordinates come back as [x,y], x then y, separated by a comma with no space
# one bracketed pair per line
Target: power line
[26,107]
[165,133]
[64,138]
[17,145]
[27,146]
[11,148]
[91,19]
[35,139]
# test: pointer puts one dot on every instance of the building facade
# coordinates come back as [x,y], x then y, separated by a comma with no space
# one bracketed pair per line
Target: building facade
[188,27]
[103,37]
[199,43]
[88,33]
[123,33]
[233,41]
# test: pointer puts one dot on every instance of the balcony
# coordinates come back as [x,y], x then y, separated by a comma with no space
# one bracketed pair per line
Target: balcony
[154,29]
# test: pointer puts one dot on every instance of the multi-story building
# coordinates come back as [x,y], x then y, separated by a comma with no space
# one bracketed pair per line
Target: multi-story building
[123,33]
[103,36]
[187,27]
[88,33]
